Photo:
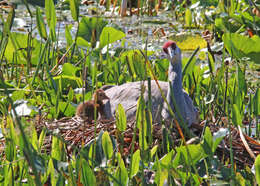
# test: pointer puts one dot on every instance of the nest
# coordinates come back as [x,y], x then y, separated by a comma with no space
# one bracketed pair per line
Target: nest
[76,133]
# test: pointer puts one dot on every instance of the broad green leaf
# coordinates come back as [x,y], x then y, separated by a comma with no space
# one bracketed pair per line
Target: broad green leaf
[257,169]
[121,172]
[51,172]
[110,35]
[67,108]
[82,42]
[91,154]
[69,69]
[88,175]
[188,17]
[40,24]
[161,177]
[141,123]
[120,118]
[167,159]
[42,137]
[34,138]
[107,145]
[71,95]
[74,8]
[135,163]
[15,42]
[153,150]
[218,137]
[56,148]
[158,171]
[240,46]
[196,153]
[236,117]
[90,29]
[208,141]
[96,153]
[68,81]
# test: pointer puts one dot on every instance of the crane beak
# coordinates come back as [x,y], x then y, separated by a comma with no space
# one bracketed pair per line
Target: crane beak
[170,52]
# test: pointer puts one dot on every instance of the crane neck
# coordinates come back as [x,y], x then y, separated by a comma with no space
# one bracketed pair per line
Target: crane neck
[175,77]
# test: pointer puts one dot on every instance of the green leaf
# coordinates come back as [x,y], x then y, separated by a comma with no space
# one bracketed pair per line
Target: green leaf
[120,118]
[257,169]
[110,35]
[69,69]
[67,108]
[188,17]
[56,148]
[9,150]
[135,163]
[256,103]
[211,63]
[158,171]
[161,174]
[42,137]
[40,24]
[196,153]
[218,137]
[107,145]
[34,138]
[141,123]
[166,160]
[189,67]
[240,46]
[121,172]
[236,117]
[74,8]
[153,150]
[241,80]
[82,42]
[71,95]
[208,141]
[14,136]
[17,41]
[68,35]
[68,81]
[88,176]
[51,172]
[90,29]
[51,17]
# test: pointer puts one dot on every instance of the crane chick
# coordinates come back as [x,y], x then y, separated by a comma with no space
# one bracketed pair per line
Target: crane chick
[86,110]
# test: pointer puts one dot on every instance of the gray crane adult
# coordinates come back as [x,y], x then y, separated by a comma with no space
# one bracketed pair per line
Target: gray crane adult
[128,94]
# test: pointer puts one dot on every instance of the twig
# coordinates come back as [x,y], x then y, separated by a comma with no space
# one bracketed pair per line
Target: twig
[250,152]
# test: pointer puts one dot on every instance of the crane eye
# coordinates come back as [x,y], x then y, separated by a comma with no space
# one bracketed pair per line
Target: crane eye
[165,50]
[173,46]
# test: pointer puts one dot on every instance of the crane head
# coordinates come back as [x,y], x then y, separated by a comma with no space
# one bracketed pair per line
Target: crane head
[172,51]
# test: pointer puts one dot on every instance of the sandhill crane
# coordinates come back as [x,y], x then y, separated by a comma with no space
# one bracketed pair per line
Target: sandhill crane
[128,94]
